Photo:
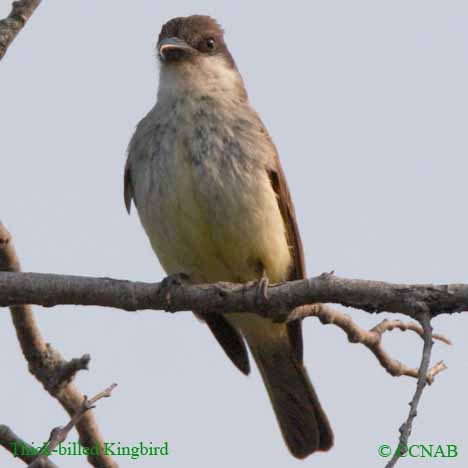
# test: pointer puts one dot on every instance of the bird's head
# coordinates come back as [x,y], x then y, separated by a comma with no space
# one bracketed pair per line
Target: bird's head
[193,55]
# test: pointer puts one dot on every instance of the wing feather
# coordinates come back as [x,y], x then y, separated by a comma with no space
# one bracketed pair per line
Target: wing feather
[128,187]
[280,186]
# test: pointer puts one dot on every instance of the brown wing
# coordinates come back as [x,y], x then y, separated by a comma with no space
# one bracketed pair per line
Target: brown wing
[278,182]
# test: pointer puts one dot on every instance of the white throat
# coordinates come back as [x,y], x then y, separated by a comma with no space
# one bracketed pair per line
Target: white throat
[208,75]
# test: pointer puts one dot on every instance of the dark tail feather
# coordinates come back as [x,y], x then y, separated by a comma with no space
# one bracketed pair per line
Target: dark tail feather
[303,422]
[230,340]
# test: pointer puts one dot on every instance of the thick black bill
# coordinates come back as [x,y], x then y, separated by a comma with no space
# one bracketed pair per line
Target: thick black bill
[173,48]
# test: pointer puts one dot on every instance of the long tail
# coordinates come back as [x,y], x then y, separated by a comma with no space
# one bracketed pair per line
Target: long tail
[302,421]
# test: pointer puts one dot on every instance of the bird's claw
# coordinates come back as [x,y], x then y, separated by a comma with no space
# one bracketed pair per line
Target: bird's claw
[262,289]
[169,283]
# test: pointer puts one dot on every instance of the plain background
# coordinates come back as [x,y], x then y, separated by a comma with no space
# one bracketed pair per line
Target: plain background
[367,103]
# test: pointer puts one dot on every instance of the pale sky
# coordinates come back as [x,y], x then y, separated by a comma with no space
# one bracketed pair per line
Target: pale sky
[367,103]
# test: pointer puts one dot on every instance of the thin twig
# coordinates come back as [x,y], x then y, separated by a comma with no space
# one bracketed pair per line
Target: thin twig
[21,11]
[59,434]
[372,339]
[406,427]
[437,369]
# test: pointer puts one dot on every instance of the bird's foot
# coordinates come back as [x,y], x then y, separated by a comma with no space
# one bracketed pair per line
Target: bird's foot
[169,283]
[262,288]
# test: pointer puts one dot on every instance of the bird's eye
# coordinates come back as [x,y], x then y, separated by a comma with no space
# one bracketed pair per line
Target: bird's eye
[210,43]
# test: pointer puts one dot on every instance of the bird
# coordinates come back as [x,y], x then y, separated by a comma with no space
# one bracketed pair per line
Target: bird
[211,195]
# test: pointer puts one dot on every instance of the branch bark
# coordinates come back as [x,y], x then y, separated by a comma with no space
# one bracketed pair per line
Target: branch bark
[372,296]
[10,26]
[47,365]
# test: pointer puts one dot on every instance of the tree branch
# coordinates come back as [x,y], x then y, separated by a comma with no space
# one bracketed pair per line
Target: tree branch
[14,443]
[46,364]
[286,301]
[10,26]
[372,296]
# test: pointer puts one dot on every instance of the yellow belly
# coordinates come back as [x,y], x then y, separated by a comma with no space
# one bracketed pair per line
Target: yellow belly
[216,227]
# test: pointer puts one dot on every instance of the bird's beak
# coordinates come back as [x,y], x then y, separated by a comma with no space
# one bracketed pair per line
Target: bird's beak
[173,48]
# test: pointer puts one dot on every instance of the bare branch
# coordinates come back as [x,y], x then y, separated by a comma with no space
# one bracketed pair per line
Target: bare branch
[286,301]
[19,448]
[405,429]
[371,339]
[372,296]
[59,434]
[47,365]
[10,26]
